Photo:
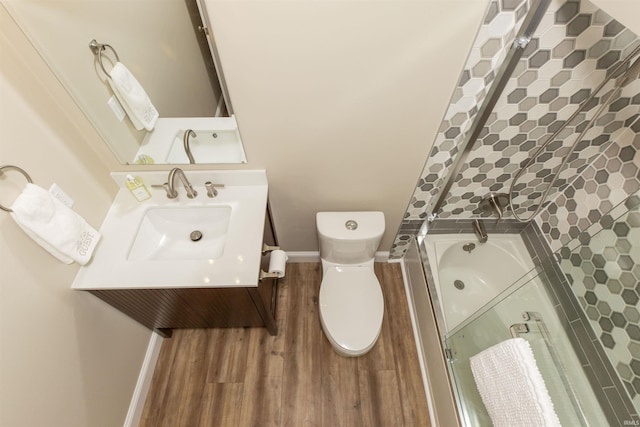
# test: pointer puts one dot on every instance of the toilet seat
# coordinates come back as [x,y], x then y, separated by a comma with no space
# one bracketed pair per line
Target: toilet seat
[351,309]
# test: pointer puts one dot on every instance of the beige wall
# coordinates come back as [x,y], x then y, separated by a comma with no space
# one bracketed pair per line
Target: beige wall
[625,11]
[66,358]
[340,101]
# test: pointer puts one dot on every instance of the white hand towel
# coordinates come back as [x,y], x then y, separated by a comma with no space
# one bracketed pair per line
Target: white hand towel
[511,386]
[133,98]
[55,227]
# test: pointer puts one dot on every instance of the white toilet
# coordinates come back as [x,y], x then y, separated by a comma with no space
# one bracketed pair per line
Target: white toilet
[351,302]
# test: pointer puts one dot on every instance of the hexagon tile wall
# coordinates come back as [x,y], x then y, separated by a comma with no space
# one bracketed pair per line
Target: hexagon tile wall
[605,276]
[573,49]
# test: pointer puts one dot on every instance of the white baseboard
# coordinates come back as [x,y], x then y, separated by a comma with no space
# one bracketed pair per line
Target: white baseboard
[303,256]
[314,256]
[382,256]
[144,381]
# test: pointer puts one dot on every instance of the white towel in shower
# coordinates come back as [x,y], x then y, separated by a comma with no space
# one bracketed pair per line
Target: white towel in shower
[133,98]
[54,226]
[511,386]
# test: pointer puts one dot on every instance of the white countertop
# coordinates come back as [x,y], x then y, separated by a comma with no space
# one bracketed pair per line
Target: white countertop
[245,192]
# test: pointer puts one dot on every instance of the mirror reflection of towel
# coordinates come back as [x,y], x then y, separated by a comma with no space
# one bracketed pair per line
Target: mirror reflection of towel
[133,98]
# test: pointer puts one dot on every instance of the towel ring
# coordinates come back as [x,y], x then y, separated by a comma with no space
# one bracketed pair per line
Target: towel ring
[97,49]
[22,171]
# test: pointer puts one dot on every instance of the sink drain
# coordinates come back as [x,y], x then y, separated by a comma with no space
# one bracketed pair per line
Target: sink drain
[195,235]
[459,284]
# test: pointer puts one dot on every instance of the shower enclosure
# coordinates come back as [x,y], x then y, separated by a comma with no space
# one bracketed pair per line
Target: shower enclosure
[581,331]
[575,87]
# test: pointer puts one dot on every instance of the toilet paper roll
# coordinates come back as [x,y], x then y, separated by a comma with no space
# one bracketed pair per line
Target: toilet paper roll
[278,262]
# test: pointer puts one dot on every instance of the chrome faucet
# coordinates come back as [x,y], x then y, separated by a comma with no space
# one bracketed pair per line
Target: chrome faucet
[185,142]
[212,188]
[481,232]
[170,185]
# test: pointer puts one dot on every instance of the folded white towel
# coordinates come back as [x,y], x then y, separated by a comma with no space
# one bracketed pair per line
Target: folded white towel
[133,98]
[55,227]
[511,387]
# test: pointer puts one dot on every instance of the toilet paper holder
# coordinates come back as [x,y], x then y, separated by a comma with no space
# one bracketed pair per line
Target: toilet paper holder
[271,274]
[266,275]
[266,248]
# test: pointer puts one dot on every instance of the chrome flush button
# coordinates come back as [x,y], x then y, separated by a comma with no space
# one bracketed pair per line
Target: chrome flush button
[351,225]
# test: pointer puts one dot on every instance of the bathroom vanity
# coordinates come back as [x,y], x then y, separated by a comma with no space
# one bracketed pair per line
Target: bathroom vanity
[150,267]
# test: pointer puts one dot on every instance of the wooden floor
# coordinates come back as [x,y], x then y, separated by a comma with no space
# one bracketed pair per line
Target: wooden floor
[245,377]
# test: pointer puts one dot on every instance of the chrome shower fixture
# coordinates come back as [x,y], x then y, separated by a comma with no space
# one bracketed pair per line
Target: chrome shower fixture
[495,203]
[480,231]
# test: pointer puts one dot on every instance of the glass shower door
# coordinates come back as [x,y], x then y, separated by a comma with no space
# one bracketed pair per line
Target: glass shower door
[566,382]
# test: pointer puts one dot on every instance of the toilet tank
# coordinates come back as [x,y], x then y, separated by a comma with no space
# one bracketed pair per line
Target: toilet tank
[349,237]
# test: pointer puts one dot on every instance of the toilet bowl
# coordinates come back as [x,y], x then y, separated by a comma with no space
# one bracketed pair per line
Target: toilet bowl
[351,300]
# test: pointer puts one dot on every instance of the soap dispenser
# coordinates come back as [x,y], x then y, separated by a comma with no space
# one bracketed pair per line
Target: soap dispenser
[137,188]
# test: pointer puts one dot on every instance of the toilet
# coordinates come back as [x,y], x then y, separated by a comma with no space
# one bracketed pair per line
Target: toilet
[351,301]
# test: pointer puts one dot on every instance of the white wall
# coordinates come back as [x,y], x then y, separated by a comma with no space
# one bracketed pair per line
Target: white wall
[66,358]
[340,101]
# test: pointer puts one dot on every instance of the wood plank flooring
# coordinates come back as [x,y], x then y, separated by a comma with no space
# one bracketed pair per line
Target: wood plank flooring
[245,377]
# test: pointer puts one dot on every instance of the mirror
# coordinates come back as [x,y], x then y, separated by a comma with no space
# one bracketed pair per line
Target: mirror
[165,46]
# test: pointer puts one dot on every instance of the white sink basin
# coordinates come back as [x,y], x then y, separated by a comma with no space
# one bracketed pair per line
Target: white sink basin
[147,245]
[196,232]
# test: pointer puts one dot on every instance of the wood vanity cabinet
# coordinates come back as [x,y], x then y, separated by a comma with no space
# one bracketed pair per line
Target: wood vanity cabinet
[164,309]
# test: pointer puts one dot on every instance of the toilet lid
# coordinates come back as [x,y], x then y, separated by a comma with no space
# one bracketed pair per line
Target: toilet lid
[351,306]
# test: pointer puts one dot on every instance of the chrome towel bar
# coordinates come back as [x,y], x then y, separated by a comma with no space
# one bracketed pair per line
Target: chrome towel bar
[523,328]
[22,171]
[97,49]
